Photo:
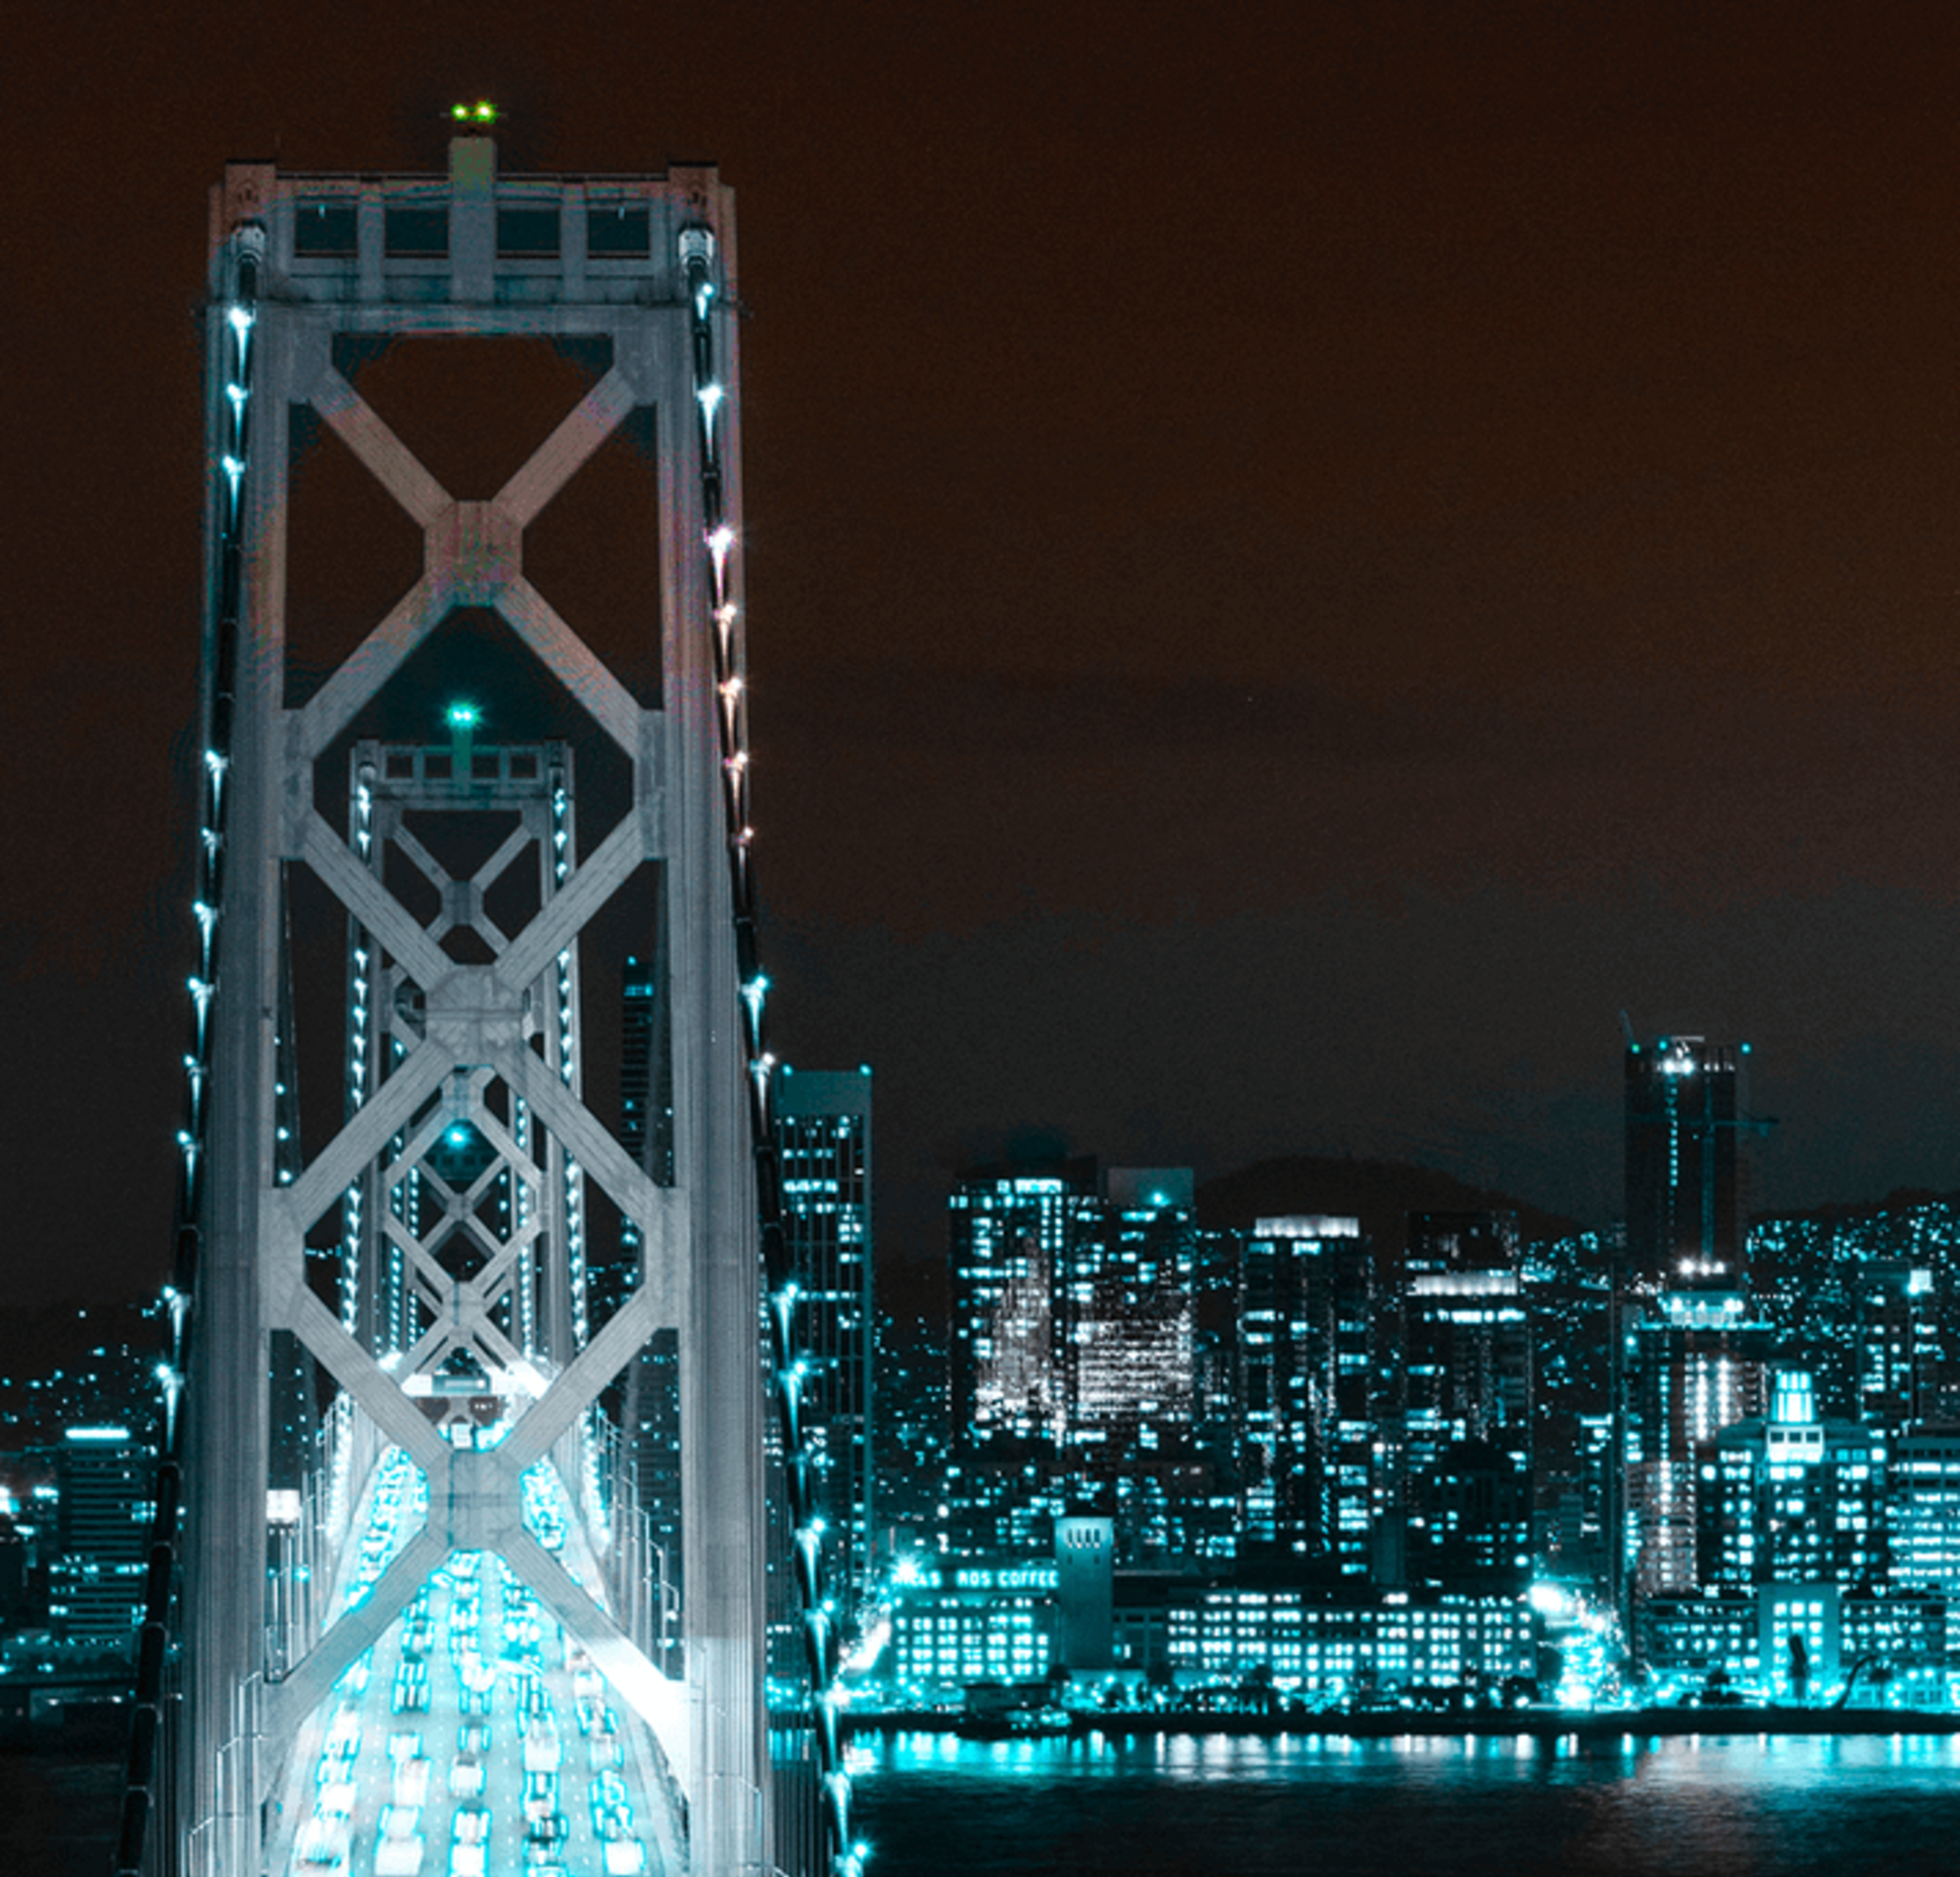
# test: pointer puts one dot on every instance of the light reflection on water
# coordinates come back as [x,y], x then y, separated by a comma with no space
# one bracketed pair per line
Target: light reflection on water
[1449,1805]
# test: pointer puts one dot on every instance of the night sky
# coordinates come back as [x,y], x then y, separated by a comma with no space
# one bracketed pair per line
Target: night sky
[1301,558]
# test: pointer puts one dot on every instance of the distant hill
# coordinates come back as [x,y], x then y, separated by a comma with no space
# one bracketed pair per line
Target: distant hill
[1379,1193]
[1901,1199]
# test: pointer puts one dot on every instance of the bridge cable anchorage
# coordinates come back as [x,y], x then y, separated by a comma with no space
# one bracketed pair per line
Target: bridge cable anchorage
[697,247]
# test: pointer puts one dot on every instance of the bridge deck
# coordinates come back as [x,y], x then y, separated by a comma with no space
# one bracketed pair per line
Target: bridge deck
[472,1740]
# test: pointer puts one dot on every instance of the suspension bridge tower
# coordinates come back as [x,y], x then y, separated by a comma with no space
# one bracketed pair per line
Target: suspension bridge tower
[482,1535]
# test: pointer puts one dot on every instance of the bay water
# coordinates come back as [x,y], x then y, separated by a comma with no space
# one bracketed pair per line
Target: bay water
[1708,1805]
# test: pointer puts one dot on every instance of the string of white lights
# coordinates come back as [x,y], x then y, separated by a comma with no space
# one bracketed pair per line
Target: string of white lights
[848,1856]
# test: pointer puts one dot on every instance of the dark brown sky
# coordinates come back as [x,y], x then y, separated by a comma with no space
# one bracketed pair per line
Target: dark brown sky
[1302,557]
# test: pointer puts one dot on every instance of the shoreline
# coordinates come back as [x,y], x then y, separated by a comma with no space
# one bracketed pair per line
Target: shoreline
[1546,1727]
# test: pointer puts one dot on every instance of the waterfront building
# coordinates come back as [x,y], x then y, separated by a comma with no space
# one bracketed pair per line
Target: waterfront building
[1800,1638]
[953,1623]
[1893,1648]
[1700,1639]
[1328,1644]
[1085,1553]
[1897,1647]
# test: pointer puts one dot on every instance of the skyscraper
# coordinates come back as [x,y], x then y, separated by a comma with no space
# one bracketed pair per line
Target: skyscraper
[1015,1232]
[823,1139]
[1902,1344]
[1307,1298]
[1697,1362]
[96,1589]
[1466,1400]
[1690,1355]
[1132,1322]
[645,1400]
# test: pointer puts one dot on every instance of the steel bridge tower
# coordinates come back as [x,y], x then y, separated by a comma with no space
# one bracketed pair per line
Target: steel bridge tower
[435,1310]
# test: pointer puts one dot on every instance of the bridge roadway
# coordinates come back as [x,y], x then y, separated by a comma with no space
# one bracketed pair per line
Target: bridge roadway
[472,1740]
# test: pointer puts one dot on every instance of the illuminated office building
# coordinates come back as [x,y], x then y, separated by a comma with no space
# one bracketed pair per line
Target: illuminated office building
[1692,1363]
[648,1395]
[1132,1326]
[990,1620]
[1902,1343]
[1742,1640]
[1465,1390]
[1074,1370]
[95,1591]
[1131,1312]
[824,1143]
[1787,1497]
[1688,1352]
[1922,1494]
[1308,1481]
[1329,1645]
[1016,1234]
[646,1066]
[913,1426]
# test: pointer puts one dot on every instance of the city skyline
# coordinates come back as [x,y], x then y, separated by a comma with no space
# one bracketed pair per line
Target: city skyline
[1415,1372]
[1296,576]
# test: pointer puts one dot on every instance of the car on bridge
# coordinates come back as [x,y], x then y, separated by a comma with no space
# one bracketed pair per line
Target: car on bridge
[465,1777]
[321,1851]
[469,1841]
[399,1850]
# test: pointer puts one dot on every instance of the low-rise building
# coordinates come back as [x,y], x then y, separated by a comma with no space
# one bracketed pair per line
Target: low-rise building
[953,1623]
[1329,1645]
[1800,1641]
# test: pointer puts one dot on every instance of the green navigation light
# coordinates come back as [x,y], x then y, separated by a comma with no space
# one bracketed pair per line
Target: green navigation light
[463,716]
[481,112]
